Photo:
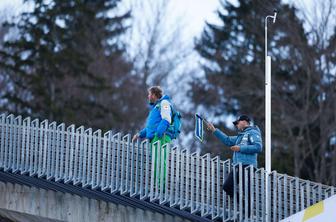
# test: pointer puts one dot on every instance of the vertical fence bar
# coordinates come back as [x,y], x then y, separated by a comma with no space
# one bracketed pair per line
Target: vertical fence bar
[164,173]
[115,163]
[167,181]
[291,196]
[257,195]
[3,139]
[25,145]
[172,176]
[18,149]
[205,186]
[252,192]
[96,159]
[33,146]
[13,143]
[198,182]
[245,203]
[274,195]
[280,196]
[51,155]
[320,192]
[8,142]
[125,170]
[86,178]
[123,164]
[208,185]
[132,170]
[77,155]
[146,150]
[81,156]
[106,179]
[297,196]
[314,191]
[12,148]
[188,177]
[240,187]
[193,192]
[182,178]
[235,198]
[69,153]
[268,186]
[119,165]
[215,208]
[327,191]
[285,203]
[141,148]
[249,192]
[302,191]
[186,197]
[94,151]
[104,161]
[265,212]
[153,169]
[226,198]
[60,152]
[43,146]
[137,168]
[308,185]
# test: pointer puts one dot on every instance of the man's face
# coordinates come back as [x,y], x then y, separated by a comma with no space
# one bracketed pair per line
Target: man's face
[242,124]
[151,97]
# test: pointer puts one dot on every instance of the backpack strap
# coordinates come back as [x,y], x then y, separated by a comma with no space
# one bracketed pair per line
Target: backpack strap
[164,114]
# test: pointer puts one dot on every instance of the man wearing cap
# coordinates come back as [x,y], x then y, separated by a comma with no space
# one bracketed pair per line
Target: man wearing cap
[245,146]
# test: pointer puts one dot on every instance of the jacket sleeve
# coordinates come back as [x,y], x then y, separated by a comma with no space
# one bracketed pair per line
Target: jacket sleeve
[142,133]
[255,144]
[227,140]
[165,112]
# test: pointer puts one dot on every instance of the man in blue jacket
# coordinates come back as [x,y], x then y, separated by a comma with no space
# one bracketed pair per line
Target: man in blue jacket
[245,146]
[157,124]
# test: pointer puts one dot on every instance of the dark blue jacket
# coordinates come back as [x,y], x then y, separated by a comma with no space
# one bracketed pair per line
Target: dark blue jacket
[249,141]
[158,120]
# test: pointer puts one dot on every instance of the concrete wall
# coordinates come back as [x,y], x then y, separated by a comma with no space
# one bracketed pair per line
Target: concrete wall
[14,216]
[68,207]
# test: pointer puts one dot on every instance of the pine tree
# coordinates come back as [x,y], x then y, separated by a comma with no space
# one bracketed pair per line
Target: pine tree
[68,64]
[233,54]
[233,62]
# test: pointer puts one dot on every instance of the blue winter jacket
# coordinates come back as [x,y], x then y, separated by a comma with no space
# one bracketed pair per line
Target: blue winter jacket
[156,124]
[249,141]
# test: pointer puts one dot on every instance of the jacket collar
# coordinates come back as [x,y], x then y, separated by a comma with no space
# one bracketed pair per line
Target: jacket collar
[152,105]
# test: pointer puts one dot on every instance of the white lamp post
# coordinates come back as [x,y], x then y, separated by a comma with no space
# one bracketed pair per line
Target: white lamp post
[268,124]
[268,100]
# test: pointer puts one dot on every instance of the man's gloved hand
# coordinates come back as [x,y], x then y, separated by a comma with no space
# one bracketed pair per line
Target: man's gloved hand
[135,137]
[210,126]
[235,148]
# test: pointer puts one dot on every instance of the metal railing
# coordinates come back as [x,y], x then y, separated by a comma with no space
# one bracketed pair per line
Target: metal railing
[112,163]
